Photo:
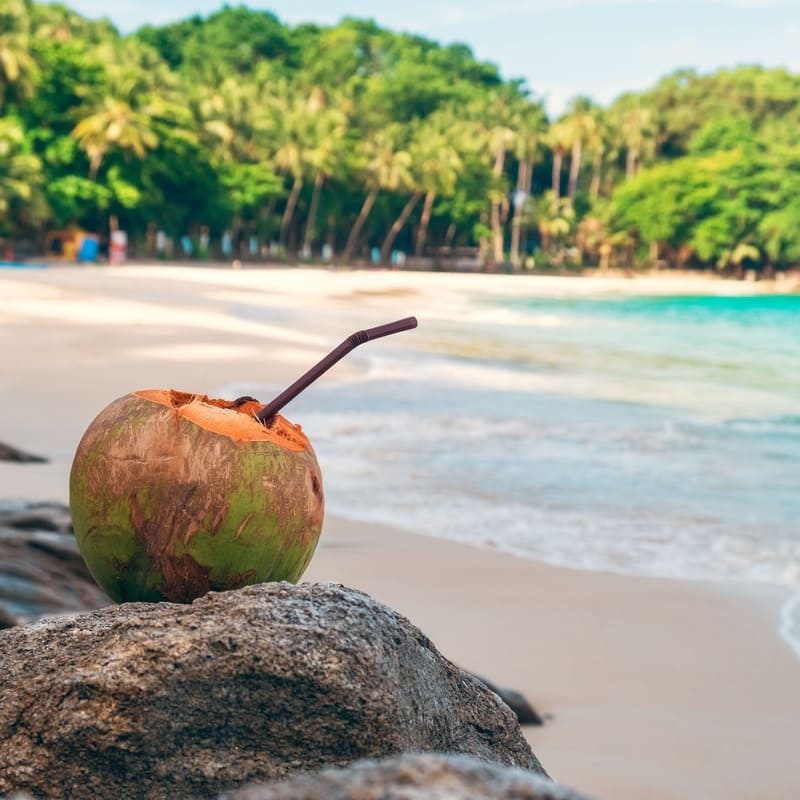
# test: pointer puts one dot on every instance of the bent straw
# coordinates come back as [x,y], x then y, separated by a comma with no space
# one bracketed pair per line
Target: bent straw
[350,343]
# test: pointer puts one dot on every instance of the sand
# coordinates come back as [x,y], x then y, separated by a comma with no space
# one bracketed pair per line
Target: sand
[655,688]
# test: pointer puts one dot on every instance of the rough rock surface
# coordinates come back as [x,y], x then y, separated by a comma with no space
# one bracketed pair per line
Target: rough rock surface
[42,573]
[428,776]
[41,570]
[165,700]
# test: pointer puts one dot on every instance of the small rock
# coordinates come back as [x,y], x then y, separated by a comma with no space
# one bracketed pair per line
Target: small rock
[163,700]
[412,777]
[517,702]
[9,453]
[36,516]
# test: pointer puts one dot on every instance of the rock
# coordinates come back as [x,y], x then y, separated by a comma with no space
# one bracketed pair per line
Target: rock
[42,574]
[165,700]
[41,570]
[36,516]
[517,702]
[412,777]
[9,453]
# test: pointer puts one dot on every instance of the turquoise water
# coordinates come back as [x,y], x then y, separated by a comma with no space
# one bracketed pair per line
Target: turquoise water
[650,435]
[21,265]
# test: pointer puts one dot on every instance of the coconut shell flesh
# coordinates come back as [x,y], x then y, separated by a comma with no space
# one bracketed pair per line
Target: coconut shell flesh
[173,495]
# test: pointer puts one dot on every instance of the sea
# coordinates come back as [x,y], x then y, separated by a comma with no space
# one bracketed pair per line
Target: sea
[652,436]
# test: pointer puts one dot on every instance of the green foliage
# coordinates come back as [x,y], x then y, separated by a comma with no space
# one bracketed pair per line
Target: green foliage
[249,186]
[361,137]
[239,40]
[74,198]
[22,201]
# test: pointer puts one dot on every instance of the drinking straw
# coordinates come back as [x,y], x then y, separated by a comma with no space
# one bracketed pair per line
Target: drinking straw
[350,343]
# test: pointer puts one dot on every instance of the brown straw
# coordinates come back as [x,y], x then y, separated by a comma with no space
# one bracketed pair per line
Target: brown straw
[350,343]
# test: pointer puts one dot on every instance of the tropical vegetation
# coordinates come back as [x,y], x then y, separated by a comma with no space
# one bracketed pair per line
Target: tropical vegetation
[354,142]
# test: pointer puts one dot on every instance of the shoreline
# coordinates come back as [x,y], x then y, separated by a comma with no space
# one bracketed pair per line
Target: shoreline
[563,638]
[782,283]
[776,602]
[659,688]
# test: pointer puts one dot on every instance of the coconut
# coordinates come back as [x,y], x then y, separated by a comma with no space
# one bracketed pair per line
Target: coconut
[175,494]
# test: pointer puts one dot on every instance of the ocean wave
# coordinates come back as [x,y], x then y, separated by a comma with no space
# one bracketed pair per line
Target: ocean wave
[632,440]
[770,426]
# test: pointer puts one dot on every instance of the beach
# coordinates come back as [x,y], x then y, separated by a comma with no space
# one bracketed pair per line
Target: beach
[653,687]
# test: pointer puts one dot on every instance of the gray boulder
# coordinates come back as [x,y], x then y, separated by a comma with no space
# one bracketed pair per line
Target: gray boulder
[165,700]
[412,777]
[42,573]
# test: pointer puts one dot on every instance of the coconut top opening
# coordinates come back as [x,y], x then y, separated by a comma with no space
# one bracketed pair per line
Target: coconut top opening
[233,418]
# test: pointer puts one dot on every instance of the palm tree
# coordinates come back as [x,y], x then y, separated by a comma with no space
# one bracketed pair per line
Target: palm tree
[599,146]
[532,125]
[285,116]
[324,154]
[397,225]
[124,116]
[289,158]
[555,217]
[435,164]
[637,129]
[237,125]
[307,135]
[559,137]
[580,123]
[384,165]
[228,120]
[499,137]
[436,157]
[17,66]
[22,199]
[114,124]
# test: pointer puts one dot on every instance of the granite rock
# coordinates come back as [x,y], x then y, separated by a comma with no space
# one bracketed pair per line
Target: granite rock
[166,700]
[428,776]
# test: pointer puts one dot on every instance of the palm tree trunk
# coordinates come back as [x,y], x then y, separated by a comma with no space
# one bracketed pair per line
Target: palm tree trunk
[308,236]
[630,162]
[397,226]
[597,170]
[523,185]
[355,232]
[422,233]
[450,234]
[575,167]
[288,212]
[497,233]
[94,166]
[557,158]
[527,188]
[496,221]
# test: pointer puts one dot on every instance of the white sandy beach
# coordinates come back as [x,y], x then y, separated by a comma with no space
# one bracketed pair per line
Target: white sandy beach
[656,688]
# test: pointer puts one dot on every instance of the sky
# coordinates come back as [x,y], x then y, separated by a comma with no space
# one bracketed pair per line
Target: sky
[562,48]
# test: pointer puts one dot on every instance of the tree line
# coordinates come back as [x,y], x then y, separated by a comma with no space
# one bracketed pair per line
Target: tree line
[355,141]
